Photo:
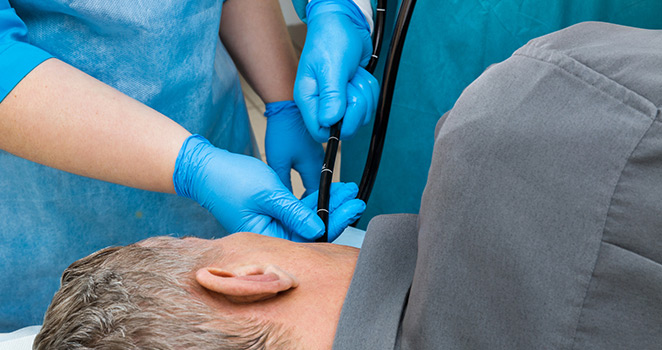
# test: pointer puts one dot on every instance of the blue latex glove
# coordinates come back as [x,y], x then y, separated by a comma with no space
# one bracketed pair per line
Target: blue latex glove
[337,44]
[244,194]
[289,146]
[344,208]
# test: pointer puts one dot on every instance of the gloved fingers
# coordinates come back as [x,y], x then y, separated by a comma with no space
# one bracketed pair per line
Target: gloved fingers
[306,96]
[339,193]
[344,208]
[368,85]
[261,224]
[363,92]
[296,217]
[332,77]
[283,172]
[307,193]
[357,108]
[310,201]
[372,84]
[343,205]
[343,216]
[310,172]
[332,97]
[299,239]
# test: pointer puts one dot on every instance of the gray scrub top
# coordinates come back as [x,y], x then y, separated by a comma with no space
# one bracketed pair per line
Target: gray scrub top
[541,222]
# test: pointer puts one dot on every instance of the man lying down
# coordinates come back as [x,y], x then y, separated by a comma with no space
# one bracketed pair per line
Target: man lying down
[540,228]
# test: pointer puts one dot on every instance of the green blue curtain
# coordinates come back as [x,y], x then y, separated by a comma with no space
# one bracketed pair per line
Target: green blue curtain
[449,44]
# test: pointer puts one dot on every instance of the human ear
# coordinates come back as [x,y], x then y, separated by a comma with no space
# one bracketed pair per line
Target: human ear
[246,284]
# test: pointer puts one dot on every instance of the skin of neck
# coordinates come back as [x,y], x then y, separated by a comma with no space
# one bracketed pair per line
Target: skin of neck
[311,309]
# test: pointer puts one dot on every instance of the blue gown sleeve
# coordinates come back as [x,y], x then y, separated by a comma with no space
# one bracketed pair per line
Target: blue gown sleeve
[17,57]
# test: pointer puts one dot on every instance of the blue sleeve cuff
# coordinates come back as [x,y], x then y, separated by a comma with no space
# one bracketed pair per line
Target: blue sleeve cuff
[300,8]
[16,61]
[347,7]
[274,108]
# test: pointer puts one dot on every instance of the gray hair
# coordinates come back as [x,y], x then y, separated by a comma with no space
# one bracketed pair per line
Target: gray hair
[143,296]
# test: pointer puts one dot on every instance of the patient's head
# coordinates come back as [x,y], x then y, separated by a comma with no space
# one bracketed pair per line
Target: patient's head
[244,291]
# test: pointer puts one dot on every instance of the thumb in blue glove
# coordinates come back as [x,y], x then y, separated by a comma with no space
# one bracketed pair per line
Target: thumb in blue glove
[288,145]
[337,43]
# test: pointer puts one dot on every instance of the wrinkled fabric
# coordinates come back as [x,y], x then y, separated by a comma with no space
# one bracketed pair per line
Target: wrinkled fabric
[165,54]
[370,315]
[540,223]
[448,45]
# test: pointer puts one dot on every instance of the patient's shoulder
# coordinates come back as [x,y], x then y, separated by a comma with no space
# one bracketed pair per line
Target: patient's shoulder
[626,55]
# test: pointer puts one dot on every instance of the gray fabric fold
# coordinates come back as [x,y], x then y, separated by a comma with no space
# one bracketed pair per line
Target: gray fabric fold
[541,222]
[376,297]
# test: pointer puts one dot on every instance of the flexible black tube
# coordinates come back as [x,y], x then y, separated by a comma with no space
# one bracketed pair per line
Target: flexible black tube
[385,99]
[378,35]
[332,144]
[326,178]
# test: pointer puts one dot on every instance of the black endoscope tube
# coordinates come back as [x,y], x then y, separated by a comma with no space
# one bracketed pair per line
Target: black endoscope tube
[385,99]
[334,138]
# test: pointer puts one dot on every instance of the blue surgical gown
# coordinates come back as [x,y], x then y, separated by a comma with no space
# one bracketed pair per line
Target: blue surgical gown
[448,45]
[164,53]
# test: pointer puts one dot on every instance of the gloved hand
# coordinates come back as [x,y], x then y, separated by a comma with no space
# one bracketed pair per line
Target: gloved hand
[344,208]
[337,43]
[289,145]
[244,194]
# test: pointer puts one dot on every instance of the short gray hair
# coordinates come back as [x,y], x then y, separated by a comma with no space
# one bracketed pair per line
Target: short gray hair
[143,296]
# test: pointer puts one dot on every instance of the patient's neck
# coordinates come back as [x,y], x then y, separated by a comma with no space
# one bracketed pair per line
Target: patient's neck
[316,304]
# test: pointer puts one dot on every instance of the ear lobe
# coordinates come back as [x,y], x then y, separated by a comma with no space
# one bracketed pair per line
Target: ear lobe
[246,284]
